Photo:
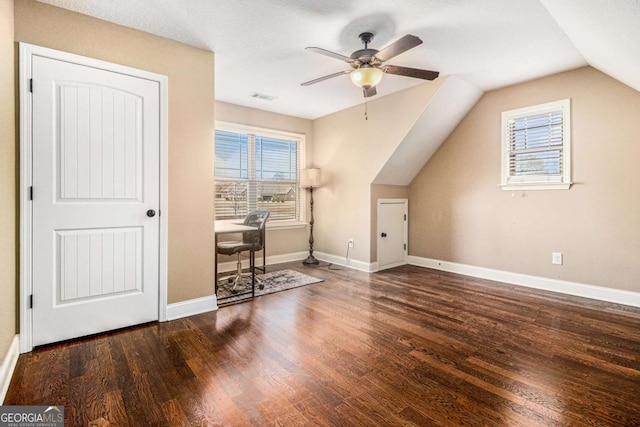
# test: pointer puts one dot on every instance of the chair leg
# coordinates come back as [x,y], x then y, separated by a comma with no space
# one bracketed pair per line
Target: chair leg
[252,262]
[264,271]
[238,278]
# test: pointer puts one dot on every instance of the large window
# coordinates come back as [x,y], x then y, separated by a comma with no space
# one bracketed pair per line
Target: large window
[257,169]
[536,147]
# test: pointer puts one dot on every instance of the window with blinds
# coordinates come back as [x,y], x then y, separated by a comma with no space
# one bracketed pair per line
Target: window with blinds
[536,147]
[257,169]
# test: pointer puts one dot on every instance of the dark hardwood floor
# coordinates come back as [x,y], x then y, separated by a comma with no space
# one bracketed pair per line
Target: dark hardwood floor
[408,346]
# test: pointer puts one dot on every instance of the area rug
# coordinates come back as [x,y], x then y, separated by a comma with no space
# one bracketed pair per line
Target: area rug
[274,281]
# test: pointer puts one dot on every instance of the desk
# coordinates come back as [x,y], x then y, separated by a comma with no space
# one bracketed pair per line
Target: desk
[227,226]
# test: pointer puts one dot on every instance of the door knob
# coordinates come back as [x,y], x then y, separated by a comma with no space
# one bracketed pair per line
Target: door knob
[151,213]
[383,234]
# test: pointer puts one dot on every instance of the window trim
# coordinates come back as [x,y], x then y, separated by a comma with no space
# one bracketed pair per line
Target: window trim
[277,134]
[539,182]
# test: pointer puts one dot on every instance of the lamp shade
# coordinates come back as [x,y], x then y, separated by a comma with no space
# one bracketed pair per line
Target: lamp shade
[310,178]
[366,77]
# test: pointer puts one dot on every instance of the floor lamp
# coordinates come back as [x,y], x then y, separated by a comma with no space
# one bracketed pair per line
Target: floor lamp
[310,178]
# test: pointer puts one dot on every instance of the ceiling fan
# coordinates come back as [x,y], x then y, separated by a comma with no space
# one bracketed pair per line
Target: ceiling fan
[368,64]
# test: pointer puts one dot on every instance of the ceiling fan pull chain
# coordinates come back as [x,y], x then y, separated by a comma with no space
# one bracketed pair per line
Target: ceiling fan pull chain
[366,104]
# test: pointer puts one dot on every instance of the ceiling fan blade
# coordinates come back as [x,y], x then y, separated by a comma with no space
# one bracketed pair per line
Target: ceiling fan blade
[329,53]
[369,92]
[399,46]
[411,72]
[321,79]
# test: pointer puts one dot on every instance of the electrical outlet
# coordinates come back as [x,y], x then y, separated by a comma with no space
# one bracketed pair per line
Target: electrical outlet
[351,242]
[556,258]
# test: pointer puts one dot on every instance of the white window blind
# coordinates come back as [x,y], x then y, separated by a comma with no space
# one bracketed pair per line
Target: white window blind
[257,170]
[536,146]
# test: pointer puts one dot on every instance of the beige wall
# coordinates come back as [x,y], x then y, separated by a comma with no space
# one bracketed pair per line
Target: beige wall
[7,181]
[283,241]
[379,191]
[350,151]
[458,213]
[191,124]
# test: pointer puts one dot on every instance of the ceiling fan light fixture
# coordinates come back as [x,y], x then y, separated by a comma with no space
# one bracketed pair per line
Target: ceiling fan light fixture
[366,77]
[368,65]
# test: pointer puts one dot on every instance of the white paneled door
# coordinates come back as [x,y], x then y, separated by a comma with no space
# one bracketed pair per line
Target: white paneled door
[96,200]
[392,232]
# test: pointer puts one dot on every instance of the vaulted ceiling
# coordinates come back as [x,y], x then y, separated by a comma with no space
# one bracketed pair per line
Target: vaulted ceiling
[259,44]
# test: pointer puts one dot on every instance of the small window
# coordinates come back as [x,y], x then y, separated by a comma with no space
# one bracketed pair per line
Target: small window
[536,147]
[257,168]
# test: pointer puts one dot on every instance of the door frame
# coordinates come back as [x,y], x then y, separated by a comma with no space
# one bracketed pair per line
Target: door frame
[26,53]
[405,202]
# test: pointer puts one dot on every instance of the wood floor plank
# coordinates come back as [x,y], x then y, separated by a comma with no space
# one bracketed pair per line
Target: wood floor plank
[218,403]
[114,410]
[125,381]
[174,414]
[408,346]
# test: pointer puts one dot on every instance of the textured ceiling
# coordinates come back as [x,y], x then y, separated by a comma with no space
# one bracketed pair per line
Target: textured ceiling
[259,44]
[480,44]
[606,32]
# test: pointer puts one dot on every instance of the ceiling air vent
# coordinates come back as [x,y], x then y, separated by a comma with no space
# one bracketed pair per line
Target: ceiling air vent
[262,96]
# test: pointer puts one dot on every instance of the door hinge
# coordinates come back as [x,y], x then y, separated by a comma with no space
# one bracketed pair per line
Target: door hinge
[31,85]
[405,246]
[31,301]
[30,193]
[405,217]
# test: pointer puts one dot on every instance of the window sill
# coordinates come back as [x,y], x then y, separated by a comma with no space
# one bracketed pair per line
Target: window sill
[536,186]
[285,225]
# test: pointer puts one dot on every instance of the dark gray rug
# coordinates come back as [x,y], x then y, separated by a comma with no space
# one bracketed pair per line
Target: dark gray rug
[274,281]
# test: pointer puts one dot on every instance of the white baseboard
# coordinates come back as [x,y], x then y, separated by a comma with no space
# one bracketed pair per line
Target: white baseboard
[8,365]
[564,287]
[367,267]
[396,264]
[280,259]
[271,260]
[191,307]
[225,267]
[195,306]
